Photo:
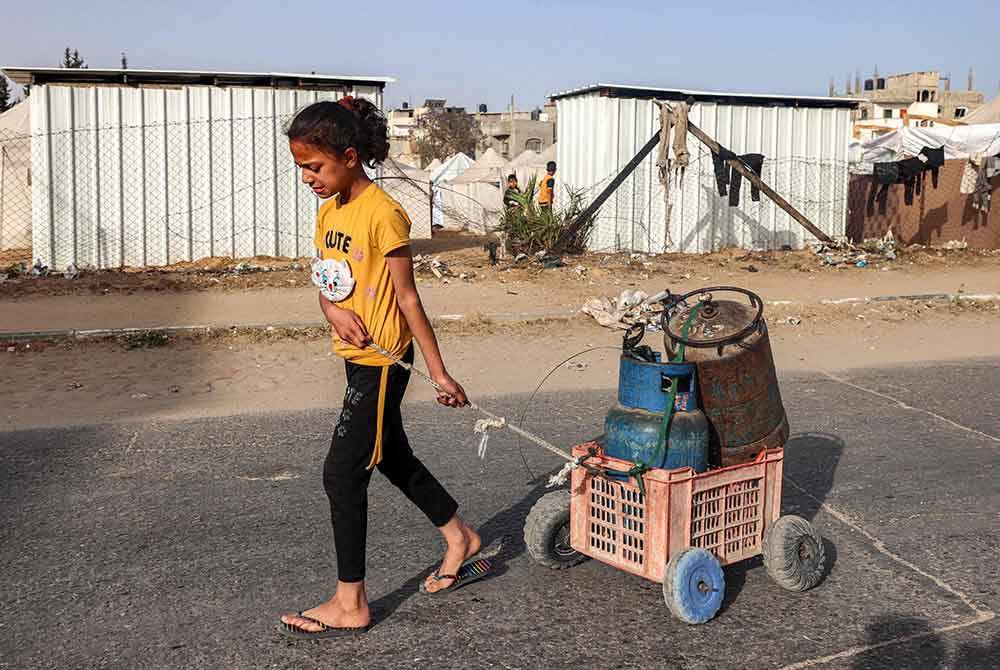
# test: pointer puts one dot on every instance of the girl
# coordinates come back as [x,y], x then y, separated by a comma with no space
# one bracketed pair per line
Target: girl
[332,142]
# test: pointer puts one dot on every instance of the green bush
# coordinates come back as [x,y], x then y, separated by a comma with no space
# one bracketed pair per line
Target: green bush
[529,228]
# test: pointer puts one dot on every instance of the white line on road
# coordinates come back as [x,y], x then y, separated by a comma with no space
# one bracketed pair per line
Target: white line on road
[982,615]
[903,405]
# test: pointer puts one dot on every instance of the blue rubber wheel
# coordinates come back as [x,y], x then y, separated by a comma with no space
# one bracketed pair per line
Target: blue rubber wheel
[694,585]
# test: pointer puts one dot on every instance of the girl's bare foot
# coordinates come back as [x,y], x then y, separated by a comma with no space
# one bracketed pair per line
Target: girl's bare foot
[353,613]
[463,544]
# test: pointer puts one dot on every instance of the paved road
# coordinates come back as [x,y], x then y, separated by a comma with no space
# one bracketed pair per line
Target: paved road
[176,545]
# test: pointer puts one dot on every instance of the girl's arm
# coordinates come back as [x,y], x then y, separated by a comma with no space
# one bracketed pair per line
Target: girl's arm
[349,326]
[400,263]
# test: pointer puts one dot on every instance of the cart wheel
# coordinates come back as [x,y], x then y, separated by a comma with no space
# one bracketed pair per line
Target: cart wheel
[793,553]
[546,532]
[693,585]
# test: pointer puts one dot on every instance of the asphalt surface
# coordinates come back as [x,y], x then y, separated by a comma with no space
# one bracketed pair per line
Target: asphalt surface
[177,545]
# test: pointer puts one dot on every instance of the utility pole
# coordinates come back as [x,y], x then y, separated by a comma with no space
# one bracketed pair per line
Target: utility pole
[513,131]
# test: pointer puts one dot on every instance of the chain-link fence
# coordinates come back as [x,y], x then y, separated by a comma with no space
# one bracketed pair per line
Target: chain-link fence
[693,217]
[15,198]
[157,194]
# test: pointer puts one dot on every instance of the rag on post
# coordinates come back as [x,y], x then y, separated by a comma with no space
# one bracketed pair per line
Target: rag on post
[680,146]
[673,120]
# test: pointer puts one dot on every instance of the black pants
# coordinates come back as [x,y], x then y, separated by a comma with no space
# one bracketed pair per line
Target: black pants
[754,162]
[346,473]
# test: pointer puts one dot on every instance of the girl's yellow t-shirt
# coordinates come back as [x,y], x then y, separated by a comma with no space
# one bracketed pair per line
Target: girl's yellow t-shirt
[362,232]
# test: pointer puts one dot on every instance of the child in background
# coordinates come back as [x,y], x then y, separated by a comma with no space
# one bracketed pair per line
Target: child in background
[509,201]
[359,223]
[547,187]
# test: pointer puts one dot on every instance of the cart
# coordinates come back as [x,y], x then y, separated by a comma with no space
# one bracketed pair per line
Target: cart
[676,527]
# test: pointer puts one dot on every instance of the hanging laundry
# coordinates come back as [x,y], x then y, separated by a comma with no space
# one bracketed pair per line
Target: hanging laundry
[728,180]
[992,167]
[981,196]
[722,168]
[970,175]
[883,176]
[754,163]
[933,160]
[911,173]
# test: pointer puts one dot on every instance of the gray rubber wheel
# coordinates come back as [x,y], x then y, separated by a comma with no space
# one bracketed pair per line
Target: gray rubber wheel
[794,554]
[546,532]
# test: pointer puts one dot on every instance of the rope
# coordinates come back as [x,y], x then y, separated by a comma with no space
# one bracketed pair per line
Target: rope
[668,415]
[495,420]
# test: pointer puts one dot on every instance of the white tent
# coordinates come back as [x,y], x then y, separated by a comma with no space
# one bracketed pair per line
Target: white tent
[530,164]
[478,193]
[408,186]
[445,199]
[486,168]
[433,165]
[15,177]
[451,168]
[988,113]
[958,142]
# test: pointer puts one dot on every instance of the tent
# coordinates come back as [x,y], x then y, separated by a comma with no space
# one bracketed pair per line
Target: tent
[409,186]
[15,178]
[433,165]
[958,142]
[451,168]
[478,193]
[988,113]
[445,199]
[487,168]
[530,164]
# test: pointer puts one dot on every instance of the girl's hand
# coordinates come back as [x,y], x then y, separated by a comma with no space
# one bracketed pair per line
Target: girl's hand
[451,394]
[349,326]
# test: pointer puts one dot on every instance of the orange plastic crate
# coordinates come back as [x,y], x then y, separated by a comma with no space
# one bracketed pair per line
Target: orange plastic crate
[724,511]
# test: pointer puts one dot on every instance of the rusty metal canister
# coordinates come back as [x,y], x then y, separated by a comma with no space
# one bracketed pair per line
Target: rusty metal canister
[728,342]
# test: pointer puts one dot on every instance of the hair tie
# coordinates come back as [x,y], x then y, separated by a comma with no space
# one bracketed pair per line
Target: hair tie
[347,102]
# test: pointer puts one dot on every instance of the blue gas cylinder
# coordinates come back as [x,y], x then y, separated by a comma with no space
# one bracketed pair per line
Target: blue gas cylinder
[632,427]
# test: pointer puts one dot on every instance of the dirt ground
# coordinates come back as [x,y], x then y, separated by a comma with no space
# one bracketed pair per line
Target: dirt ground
[467,262]
[84,382]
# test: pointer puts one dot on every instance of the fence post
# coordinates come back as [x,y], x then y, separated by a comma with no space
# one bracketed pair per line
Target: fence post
[3,186]
[431,200]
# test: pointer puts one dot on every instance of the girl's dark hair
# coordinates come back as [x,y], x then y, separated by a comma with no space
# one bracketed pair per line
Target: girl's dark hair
[336,126]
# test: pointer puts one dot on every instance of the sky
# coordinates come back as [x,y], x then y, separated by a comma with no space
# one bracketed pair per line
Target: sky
[473,52]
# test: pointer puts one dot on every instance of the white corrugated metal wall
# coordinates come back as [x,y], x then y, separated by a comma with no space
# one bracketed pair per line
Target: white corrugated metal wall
[152,176]
[806,162]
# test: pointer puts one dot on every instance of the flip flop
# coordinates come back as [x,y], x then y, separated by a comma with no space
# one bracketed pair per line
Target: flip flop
[471,571]
[294,632]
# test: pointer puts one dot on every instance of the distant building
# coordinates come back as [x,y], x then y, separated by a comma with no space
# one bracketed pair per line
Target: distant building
[508,133]
[921,99]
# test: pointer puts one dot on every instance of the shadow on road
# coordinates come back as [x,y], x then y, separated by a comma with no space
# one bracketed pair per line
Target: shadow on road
[921,648]
[505,528]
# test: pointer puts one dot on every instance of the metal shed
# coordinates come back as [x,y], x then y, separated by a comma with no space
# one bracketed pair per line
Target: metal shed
[151,167]
[804,139]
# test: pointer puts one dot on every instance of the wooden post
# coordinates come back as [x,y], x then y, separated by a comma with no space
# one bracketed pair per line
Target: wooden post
[737,165]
